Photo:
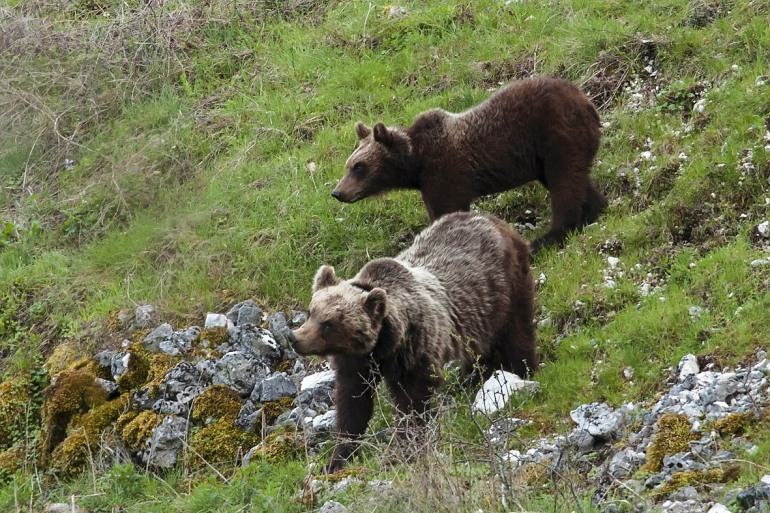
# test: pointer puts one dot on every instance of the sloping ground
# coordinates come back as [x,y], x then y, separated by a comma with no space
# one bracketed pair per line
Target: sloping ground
[182,155]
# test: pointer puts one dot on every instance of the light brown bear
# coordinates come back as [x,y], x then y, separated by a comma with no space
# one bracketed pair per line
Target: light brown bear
[463,291]
[541,129]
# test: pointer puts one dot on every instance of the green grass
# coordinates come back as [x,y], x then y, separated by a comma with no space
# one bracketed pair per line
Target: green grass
[203,154]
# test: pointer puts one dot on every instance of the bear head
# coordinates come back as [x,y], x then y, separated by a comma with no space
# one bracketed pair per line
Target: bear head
[344,319]
[378,164]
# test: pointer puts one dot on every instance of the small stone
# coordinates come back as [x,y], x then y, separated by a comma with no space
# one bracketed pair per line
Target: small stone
[718,508]
[599,419]
[765,479]
[246,312]
[613,262]
[215,320]
[144,316]
[333,507]
[166,442]
[498,389]
[156,336]
[760,262]
[764,229]
[695,311]
[274,388]
[325,422]
[60,507]
[688,366]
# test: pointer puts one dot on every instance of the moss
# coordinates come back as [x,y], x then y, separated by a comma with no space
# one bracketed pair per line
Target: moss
[144,369]
[278,447]
[136,371]
[135,429]
[220,443]
[71,456]
[216,402]
[733,424]
[673,435]
[14,402]
[272,409]
[73,393]
[284,366]
[62,357]
[216,336]
[11,461]
[696,477]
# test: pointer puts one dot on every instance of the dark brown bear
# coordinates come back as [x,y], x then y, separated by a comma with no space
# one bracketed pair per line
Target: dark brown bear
[541,129]
[462,292]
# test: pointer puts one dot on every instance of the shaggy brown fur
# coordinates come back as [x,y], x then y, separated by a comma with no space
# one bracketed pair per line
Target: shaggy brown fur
[541,129]
[463,291]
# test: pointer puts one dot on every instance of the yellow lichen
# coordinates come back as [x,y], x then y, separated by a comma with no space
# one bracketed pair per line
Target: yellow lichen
[673,435]
[216,402]
[136,429]
[733,424]
[277,447]
[14,402]
[220,443]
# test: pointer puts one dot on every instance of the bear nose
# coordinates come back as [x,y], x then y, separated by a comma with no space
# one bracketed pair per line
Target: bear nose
[335,194]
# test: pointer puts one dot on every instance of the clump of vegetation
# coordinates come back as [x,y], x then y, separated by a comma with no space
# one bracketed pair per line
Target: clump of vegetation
[73,394]
[220,442]
[135,428]
[214,403]
[15,409]
[282,446]
[215,336]
[697,477]
[734,424]
[673,434]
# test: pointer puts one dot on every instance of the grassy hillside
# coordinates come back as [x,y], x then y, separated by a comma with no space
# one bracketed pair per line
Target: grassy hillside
[182,154]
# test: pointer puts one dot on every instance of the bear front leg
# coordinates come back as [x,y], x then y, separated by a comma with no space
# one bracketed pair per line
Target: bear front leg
[353,398]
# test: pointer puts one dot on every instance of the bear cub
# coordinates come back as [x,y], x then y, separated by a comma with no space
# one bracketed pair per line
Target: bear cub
[542,129]
[462,292]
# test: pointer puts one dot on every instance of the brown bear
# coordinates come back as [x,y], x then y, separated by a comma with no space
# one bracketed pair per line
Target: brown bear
[541,129]
[462,292]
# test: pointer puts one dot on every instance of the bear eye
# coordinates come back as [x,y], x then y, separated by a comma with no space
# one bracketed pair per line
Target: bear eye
[359,167]
[326,325]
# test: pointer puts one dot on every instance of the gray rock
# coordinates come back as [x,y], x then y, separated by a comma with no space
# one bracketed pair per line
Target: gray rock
[115,361]
[680,462]
[325,422]
[108,386]
[279,327]
[298,318]
[497,391]
[316,390]
[166,442]
[249,417]
[754,495]
[274,387]
[245,312]
[582,439]
[625,462]
[158,335]
[180,342]
[255,341]
[760,262]
[333,507]
[239,371]
[502,429]
[144,316]
[599,419]
[718,508]
[687,493]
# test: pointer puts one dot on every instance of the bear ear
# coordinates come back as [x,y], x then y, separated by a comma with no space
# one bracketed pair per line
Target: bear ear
[375,304]
[382,135]
[325,277]
[362,130]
